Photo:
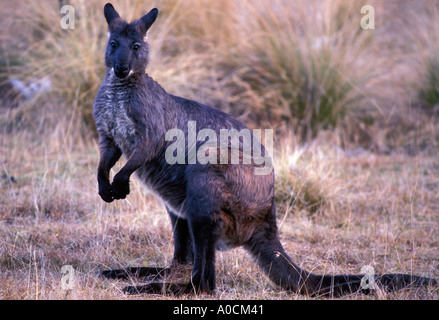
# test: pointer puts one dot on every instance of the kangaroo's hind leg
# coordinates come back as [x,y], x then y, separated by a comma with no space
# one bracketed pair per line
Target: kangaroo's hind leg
[203,207]
[204,230]
[203,233]
[183,247]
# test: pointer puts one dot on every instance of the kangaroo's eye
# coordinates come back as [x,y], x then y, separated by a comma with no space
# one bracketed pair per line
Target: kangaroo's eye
[136,47]
[113,44]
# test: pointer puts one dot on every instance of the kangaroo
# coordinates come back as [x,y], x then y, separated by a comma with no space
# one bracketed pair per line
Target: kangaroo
[211,205]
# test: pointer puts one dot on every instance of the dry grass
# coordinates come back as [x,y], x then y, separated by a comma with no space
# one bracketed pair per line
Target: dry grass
[303,68]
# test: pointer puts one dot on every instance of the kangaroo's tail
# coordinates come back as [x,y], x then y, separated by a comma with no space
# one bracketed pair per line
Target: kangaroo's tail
[271,257]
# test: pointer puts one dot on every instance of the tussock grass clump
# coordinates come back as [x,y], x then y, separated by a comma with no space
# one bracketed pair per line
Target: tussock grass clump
[429,93]
[299,67]
[306,183]
[423,35]
[297,191]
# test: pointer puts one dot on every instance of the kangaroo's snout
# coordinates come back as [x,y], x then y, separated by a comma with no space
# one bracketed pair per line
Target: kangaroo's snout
[121,70]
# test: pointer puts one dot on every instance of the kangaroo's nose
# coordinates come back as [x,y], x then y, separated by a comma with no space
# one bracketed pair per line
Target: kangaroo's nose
[121,70]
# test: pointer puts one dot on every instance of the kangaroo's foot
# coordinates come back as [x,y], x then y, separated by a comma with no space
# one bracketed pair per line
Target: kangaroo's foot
[164,288]
[158,288]
[136,272]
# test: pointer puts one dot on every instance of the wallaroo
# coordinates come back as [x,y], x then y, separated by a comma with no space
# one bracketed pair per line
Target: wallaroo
[212,205]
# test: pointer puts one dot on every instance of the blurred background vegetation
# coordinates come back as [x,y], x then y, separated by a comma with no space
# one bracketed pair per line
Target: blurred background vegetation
[299,67]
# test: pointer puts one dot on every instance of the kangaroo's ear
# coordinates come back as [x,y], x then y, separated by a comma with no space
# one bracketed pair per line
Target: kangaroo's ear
[147,20]
[110,15]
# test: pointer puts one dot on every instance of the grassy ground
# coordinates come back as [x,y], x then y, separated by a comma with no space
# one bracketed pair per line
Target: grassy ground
[356,140]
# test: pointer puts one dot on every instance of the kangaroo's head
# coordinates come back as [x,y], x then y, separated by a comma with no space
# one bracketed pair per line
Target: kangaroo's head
[127,50]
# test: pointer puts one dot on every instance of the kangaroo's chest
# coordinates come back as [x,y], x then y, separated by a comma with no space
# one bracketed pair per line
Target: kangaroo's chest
[120,126]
